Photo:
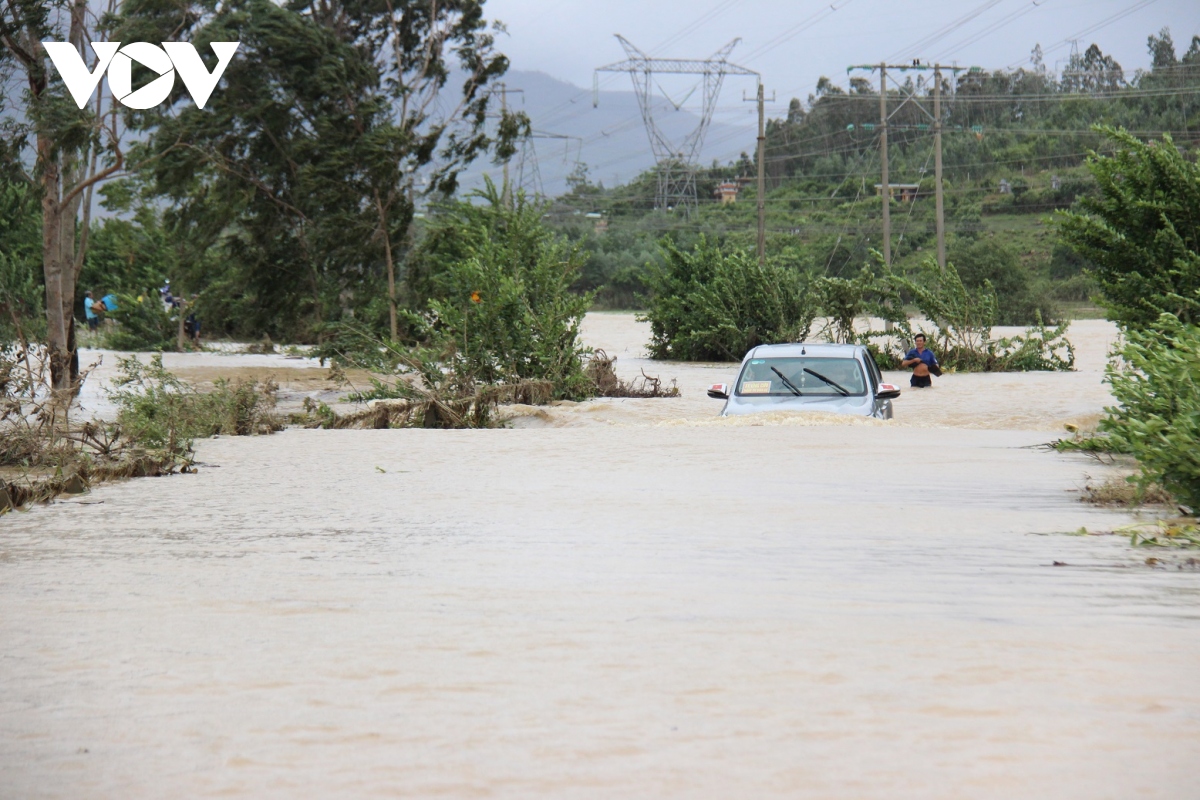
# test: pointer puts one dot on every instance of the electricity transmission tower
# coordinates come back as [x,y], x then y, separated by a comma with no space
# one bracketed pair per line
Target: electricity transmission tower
[529,173]
[675,162]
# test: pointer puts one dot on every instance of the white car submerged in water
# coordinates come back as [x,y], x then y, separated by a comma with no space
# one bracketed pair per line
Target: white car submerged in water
[835,378]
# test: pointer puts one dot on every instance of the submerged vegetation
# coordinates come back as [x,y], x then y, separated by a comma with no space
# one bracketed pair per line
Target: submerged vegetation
[44,451]
[1143,236]
[1157,416]
[712,304]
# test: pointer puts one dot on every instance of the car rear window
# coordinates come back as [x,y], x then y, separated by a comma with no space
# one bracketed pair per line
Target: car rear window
[766,377]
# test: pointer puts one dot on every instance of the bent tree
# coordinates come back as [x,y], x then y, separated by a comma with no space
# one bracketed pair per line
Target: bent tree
[71,150]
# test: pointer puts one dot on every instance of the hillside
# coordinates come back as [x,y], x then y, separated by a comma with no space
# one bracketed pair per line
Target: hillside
[1014,149]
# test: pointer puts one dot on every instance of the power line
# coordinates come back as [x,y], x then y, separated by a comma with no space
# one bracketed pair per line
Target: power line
[795,30]
[916,47]
[990,29]
[1138,6]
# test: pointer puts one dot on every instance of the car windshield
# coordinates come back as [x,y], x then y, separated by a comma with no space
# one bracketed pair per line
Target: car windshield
[815,377]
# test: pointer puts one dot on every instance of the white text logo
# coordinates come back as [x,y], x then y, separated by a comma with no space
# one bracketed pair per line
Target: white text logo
[118,61]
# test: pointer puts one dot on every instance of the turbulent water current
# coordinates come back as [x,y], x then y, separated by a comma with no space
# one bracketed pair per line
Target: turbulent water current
[619,598]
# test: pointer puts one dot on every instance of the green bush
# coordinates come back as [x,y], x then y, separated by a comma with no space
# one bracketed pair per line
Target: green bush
[963,319]
[709,305]
[1018,301]
[1157,418]
[505,313]
[1140,231]
[22,310]
[1037,350]
[841,301]
[142,324]
[158,411]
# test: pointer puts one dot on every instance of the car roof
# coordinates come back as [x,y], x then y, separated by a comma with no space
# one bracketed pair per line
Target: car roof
[812,350]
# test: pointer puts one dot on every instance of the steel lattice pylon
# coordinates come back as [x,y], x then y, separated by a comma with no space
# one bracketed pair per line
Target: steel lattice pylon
[676,164]
[529,173]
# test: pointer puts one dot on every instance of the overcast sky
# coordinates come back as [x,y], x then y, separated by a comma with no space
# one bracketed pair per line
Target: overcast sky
[794,42]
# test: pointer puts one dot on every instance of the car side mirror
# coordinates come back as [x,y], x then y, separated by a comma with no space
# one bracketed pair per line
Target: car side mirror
[719,391]
[887,391]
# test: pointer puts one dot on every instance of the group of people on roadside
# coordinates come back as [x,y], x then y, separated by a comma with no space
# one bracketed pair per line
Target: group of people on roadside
[95,311]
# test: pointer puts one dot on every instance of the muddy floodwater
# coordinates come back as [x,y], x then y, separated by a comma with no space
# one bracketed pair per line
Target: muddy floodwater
[620,598]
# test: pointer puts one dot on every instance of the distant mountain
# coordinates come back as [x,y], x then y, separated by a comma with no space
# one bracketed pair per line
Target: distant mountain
[610,138]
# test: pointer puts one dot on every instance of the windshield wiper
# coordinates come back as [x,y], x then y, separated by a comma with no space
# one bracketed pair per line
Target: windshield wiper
[837,386]
[786,382]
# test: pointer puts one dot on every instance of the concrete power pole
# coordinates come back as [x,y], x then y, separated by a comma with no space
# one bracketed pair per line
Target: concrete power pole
[937,164]
[761,157]
[936,119]
[762,181]
[886,193]
[505,192]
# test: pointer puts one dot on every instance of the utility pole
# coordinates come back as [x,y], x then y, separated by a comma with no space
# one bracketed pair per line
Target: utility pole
[886,194]
[762,176]
[936,119]
[937,164]
[505,193]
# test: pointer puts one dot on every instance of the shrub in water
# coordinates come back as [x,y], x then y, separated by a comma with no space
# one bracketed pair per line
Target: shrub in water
[710,305]
[157,410]
[505,313]
[1158,416]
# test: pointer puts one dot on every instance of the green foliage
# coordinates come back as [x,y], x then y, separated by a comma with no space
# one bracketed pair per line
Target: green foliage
[156,410]
[128,256]
[1141,232]
[1157,418]
[962,317]
[22,313]
[297,173]
[841,301]
[141,324]
[712,305]
[987,262]
[496,310]
[504,312]
[1038,350]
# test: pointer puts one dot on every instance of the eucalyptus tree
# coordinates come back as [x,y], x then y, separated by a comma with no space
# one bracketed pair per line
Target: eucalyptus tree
[60,150]
[300,168]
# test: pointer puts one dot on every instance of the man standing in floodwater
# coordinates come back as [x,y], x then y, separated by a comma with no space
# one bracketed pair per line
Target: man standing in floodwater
[923,362]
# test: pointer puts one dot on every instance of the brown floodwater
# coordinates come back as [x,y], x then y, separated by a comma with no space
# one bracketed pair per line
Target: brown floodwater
[615,598]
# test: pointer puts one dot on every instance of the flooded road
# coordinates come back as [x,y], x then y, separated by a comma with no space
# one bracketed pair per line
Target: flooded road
[622,598]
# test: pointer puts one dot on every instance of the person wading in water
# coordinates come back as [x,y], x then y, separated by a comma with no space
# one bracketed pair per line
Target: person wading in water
[923,362]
